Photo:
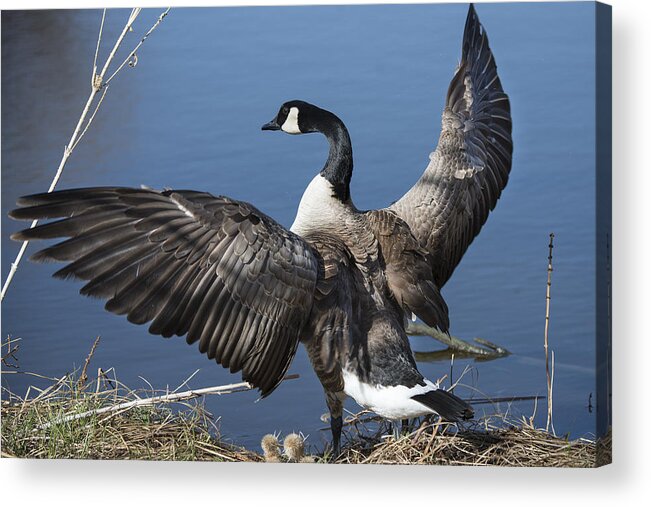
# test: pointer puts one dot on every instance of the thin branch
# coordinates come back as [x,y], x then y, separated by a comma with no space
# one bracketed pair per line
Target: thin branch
[84,376]
[132,17]
[454,384]
[50,389]
[29,374]
[166,398]
[551,398]
[548,299]
[133,52]
[99,40]
[12,348]
[485,401]
[90,120]
[451,374]
[97,83]
[185,382]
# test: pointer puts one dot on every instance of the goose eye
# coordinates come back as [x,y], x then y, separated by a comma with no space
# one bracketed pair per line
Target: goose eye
[285,110]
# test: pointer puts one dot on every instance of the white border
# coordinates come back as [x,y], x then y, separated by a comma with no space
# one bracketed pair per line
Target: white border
[69,482]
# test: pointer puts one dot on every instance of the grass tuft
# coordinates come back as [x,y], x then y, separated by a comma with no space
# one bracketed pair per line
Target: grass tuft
[147,433]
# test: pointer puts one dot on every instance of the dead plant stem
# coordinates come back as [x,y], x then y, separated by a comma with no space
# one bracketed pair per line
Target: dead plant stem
[97,84]
[166,398]
[547,308]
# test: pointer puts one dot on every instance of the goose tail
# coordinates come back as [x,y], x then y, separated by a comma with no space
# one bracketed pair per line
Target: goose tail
[447,405]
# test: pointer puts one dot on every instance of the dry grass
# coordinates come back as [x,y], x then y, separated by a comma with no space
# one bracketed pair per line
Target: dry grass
[188,432]
[33,426]
[148,433]
[497,443]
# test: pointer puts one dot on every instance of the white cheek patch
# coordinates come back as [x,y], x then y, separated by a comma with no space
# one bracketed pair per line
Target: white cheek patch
[291,123]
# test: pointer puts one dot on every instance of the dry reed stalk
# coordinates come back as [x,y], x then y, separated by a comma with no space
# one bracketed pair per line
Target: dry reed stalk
[84,376]
[97,84]
[12,349]
[451,374]
[547,306]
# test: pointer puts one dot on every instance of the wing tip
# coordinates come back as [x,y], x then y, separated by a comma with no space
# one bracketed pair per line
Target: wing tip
[471,10]
[29,234]
[18,236]
[22,213]
[28,200]
[473,29]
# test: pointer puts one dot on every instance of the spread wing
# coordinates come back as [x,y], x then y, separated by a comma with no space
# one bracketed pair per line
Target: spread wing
[213,268]
[448,205]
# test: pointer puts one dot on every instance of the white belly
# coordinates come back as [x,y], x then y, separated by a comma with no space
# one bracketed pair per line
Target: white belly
[389,402]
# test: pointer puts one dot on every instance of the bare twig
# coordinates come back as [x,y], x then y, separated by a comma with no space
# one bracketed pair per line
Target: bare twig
[451,373]
[12,349]
[185,382]
[457,382]
[133,52]
[90,120]
[166,398]
[84,376]
[547,305]
[97,84]
[551,396]
[29,374]
[132,18]
[486,401]
[99,40]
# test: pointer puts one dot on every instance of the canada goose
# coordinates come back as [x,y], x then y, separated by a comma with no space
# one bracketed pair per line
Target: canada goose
[340,280]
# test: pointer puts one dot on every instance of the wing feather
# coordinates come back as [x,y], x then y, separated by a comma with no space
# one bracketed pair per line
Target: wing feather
[213,268]
[408,271]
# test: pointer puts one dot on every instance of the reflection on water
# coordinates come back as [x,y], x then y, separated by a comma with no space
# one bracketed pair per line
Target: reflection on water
[448,355]
[189,116]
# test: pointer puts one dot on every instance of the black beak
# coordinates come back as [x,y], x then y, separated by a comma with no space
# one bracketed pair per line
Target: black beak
[272,125]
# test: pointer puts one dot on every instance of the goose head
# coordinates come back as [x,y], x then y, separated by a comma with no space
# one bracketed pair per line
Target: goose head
[300,117]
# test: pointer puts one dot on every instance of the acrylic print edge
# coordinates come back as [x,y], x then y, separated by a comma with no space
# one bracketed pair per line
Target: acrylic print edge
[603,275]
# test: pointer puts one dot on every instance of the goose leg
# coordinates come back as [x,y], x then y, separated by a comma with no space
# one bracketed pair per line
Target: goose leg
[336,407]
[400,428]
[335,426]
[395,426]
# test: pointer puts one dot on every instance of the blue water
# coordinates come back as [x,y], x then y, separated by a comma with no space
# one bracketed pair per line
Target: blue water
[189,116]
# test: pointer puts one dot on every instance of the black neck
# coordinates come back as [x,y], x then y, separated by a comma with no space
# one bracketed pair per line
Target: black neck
[338,168]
